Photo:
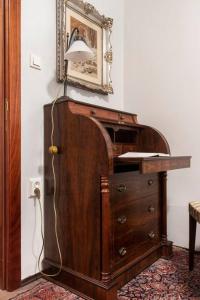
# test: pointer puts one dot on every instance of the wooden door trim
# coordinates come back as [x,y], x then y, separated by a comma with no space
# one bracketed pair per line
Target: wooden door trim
[10,161]
[2,149]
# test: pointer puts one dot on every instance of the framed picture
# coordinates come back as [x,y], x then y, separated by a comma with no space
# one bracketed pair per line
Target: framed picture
[95,74]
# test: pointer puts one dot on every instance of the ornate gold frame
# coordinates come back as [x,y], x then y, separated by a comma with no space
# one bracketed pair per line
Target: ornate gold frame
[88,11]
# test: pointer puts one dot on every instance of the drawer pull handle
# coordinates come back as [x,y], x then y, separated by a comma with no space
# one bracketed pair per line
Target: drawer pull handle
[93,112]
[150,182]
[122,251]
[151,209]
[122,220]
[152,235]
[121,188]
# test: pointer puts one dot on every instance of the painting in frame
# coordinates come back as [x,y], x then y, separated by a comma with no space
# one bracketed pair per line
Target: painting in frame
[95,74]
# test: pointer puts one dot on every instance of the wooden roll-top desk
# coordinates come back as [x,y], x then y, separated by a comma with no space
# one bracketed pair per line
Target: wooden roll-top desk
[112,212]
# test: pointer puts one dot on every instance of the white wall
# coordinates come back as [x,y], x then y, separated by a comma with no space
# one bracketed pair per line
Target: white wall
[162,85]
[40,87]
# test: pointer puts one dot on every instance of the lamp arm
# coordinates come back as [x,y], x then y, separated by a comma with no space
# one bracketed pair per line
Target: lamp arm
[72,36]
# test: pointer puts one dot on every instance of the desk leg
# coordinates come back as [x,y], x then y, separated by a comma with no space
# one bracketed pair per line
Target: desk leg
[166,245]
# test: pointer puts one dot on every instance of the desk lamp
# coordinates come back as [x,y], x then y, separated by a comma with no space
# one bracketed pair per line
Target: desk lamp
[77,51]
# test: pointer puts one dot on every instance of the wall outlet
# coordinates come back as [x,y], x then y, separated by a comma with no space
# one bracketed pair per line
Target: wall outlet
[33,184]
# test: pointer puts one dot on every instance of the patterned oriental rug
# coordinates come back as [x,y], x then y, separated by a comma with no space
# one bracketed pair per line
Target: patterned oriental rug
[167,280]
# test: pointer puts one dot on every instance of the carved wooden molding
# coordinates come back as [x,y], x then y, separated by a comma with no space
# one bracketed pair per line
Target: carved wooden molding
[106,228]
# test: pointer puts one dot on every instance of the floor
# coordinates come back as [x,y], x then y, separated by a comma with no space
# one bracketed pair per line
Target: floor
[6,295]
[165,279]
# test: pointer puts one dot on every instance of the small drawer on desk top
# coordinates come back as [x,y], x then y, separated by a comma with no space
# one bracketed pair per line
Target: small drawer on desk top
[126,118]
[117,149]
[95,112]
[129,148]
[128,187]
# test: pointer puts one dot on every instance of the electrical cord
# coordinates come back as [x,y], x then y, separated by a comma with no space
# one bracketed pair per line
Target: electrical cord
[34,236]
[54,200]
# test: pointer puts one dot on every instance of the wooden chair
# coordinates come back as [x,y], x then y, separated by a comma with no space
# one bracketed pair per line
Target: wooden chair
[194,211]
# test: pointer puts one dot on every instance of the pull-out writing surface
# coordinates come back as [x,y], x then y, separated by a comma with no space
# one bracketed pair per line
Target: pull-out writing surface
[154,164]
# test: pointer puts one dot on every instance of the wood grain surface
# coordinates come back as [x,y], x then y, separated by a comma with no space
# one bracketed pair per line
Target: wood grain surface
[12,211]
[112,212]
[2,150]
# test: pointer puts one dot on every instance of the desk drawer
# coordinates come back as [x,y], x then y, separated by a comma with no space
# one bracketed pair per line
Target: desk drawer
[95,112]
[117,149]
[130,186]
[126,245]
[127,252]
[136,239]
[135,215]
[127,118]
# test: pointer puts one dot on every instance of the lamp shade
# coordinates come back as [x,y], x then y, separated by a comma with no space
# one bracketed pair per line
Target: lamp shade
[78,51]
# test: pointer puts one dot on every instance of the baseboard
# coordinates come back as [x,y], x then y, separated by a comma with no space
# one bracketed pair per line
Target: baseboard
[31,279]
[196,252]
[184,248]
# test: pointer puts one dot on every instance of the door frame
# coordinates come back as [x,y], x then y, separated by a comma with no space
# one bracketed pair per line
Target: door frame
[10,143]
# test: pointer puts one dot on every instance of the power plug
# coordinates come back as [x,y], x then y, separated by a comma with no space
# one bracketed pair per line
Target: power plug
[34,187]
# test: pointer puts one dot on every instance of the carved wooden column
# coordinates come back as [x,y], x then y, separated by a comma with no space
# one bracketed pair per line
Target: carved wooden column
[106,229]
[167,246]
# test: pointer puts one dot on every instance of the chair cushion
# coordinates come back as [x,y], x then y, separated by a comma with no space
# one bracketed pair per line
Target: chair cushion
[194,210]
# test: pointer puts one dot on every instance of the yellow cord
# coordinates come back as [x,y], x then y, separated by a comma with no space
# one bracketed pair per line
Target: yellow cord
[54,201]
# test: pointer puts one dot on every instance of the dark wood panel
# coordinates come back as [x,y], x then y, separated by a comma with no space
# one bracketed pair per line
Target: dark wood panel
[78,197]
[13,143]
[151,140]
